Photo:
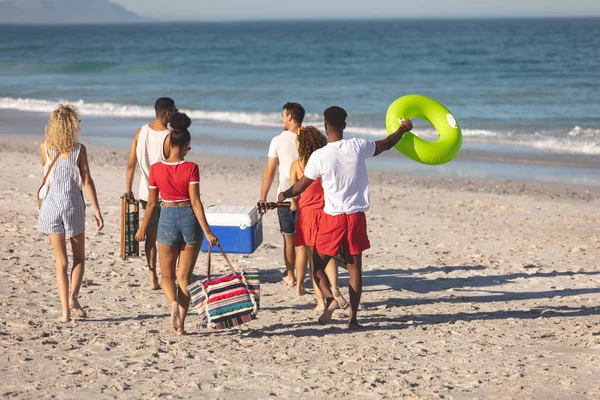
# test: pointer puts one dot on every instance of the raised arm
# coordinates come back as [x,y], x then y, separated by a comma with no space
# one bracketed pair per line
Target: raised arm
[268,177]
[90,187]
[296,189]
[391,140]
[131,165]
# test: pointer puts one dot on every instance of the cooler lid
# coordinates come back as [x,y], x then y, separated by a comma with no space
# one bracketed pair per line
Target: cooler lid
[223,215]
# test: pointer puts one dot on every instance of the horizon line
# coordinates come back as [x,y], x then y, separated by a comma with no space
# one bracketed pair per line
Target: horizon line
[145,20]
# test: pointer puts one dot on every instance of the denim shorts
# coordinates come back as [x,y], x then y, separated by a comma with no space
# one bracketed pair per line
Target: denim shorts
[287,221]
[153,223]
[178,225]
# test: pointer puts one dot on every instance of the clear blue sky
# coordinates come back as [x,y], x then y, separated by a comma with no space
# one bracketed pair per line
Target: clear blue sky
[211,10]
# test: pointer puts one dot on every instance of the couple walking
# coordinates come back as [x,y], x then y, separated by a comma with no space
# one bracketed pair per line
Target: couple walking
[338,167]
[288,155]
[177,220]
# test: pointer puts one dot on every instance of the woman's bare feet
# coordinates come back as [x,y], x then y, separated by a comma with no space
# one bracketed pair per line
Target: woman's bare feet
[153,281]
[332,305]
[300,290]
[319,307]
[337,295]
[64,319]
[289,280]
[353,325]
[175,317]
[77,307]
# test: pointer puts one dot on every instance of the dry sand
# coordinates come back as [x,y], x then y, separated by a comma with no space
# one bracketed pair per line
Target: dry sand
[473,289]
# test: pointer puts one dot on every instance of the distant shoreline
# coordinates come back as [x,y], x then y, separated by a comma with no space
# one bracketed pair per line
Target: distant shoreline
[148,21]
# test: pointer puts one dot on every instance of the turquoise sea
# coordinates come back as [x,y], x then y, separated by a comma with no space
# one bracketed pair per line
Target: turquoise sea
[526,92]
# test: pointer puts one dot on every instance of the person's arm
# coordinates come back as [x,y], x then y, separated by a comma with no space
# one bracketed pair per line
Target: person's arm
[43,153]
[167,146]
[294,177]
[268,177]
[140,235]
[131,165]
[391,140]
[296,189]
[90,187]
[199,212]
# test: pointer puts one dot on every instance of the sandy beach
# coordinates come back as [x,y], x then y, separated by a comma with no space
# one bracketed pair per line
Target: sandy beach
[473,290]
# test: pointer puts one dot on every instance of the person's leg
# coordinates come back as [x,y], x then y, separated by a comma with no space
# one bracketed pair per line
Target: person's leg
[301,261]
[168,260]
[150,244]
[320,262]
[287,225]
[332,273]
[78,249]
[187,262]
[320,299]
[62,279]
[289,255]
[332,232]
[355,289]
[358,241]
[151,250]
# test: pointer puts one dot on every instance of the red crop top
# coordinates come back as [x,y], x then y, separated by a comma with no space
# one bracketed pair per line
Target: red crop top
[173,180]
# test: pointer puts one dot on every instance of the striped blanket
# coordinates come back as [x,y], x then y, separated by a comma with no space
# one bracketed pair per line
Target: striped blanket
[228,300]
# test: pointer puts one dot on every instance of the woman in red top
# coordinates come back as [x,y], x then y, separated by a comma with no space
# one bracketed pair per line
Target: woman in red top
[181,222]
[310,208]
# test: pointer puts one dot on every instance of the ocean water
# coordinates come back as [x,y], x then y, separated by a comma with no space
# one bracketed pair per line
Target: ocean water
[515,86]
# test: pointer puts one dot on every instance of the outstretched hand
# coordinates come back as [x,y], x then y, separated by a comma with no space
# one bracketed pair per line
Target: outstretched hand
[405,126]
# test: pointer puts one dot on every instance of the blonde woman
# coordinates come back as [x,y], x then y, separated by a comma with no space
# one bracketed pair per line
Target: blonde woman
[62,214]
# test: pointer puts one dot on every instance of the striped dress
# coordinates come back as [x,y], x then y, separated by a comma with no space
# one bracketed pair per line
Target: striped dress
[63,208]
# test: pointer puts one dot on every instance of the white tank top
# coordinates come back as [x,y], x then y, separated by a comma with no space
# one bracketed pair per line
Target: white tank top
[149,151]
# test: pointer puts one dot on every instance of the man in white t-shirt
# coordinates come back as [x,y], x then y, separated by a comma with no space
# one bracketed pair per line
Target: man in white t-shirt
[282,153]
[343,172]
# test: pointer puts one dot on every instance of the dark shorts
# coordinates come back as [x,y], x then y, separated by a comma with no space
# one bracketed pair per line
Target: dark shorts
[287,221]
[177,225]
[155,216]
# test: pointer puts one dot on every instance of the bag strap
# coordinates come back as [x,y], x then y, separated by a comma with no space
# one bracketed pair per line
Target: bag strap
[224,256]
[48,172]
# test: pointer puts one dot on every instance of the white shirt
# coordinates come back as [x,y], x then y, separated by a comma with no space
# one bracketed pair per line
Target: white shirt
[343,171]
[283,147]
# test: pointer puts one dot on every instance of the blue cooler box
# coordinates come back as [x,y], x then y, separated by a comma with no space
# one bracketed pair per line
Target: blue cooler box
[239,228]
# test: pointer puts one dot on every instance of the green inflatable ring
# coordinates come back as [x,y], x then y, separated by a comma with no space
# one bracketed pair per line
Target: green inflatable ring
[431,153]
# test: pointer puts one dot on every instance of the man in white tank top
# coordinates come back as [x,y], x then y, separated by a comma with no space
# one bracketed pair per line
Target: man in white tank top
[282,153]
[150,145]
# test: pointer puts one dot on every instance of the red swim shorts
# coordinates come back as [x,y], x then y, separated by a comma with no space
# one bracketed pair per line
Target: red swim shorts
[349,230]
[307,224]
